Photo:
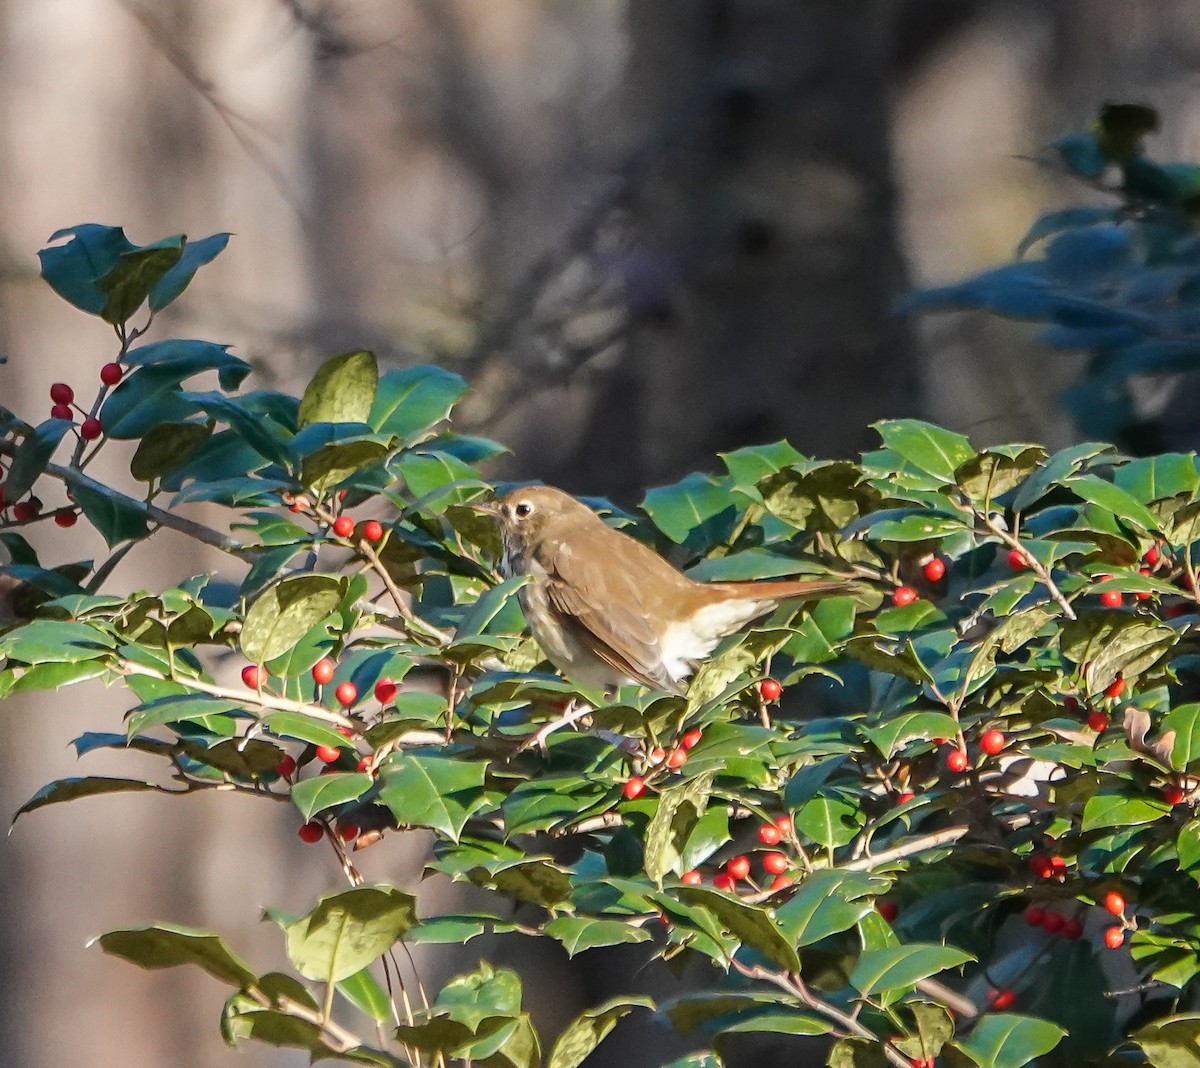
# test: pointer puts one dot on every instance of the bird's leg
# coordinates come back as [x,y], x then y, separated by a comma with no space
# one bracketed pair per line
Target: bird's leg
[575,711]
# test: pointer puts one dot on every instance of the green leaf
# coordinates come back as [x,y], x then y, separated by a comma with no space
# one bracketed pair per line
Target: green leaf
[679,809]
[1116,500]
[348,930]
[898,731]
[165,447]
[426,789]
[1121,810]
[45,640]
[363,991]
[1184,720]
[164,945]
[179,708]
[32,457]
[897,968]
[285,612]
[303,728]
[577,933]
[118,518]
[1004,1040]
[827,903]
[72,269]
[127,284]
[1055,470]
[928,448]
[315,795]
[72,789]
[1171,1042]
[342,390]
[752,925]
[195,255]
[679,509]
[583,1034]
[411,402]
[829,821]
[748,466]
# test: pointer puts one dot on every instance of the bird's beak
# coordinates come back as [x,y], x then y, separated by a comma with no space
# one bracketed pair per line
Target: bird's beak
[491,509]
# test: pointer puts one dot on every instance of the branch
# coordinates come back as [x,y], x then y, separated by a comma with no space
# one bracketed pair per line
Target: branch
[907,849]
[1035,565]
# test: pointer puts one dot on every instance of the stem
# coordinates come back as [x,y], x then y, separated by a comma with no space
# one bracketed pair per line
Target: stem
[907,849]
[996,527]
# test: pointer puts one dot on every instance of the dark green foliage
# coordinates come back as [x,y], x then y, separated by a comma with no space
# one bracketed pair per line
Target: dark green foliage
[907,879]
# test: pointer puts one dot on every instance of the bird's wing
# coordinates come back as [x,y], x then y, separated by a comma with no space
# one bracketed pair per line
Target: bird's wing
[614,629]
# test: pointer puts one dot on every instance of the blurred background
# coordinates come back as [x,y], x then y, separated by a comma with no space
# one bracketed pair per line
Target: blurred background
[645,231]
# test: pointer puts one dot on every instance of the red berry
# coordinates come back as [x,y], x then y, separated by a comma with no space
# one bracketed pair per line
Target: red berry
[62,411]
[254,676]
[889,910]
[691,878]
[1016,560]
[1053,922]
[657,755]
[322,671]
[343,526]
[1040,865]
[780,882]
[738,867]
[61,393]
[385,690]
[905,797]
[312,832]
[770,690]
[286,766]
[1111,598]
[992,742]
[1034,915]
[692,738]
[769,834]
[775,863]
[90,429]
[1151,556]
[110,374]
[363,765]
[935,569]
[345,732]
[1115,688]
[956,760]
[939,742]
[1114,903]
[348,831]
[346,693]
[903,595]
[1172,795]
[1058,867]
[1072,929]
[676,758]
[24,511]
[723,882]
[1097,720]
[372,530]
[1114,937]
[1071,705]
[65,517]
[328,754]
[1001,999]
[784,823]
[634,787]
[300,504]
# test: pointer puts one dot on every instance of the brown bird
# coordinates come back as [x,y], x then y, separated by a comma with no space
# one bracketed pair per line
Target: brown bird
[606,609]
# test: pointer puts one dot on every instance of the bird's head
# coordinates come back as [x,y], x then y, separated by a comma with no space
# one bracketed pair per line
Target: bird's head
[532,513]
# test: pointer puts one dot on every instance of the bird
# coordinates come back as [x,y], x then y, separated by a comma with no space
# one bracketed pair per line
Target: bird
[609,611]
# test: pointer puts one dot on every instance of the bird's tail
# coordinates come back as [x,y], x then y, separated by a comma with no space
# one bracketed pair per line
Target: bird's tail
[786,589]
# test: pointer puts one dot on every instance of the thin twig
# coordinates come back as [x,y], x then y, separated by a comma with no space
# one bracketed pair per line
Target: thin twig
[907,849]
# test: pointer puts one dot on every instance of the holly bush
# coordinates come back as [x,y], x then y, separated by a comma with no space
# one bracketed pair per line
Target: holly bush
[946,819]
[1117,280]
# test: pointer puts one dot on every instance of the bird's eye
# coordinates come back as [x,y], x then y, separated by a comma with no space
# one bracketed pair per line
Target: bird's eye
[523,509]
